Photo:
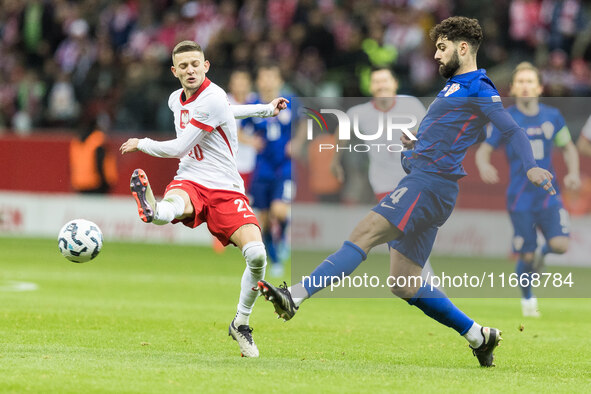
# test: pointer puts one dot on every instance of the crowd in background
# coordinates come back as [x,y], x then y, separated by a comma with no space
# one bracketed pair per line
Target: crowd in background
[62,61]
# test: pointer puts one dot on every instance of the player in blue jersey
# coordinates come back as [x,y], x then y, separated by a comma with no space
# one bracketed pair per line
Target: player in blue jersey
[530,207]
[408,218]
[271,185]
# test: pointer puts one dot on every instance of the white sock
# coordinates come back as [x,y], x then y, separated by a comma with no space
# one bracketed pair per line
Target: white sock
[474,335]
[298,294]
[256,260]
[169,208]
[241,319]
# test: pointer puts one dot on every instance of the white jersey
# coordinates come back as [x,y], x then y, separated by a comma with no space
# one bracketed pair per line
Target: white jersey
[385,168]
[206,140]
[586,132]
[246,155]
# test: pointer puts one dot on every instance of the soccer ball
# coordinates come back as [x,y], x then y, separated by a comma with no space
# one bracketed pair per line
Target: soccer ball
[80,240]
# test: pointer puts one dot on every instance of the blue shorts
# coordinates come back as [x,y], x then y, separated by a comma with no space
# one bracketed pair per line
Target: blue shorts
[418,206]
[263,192]
[552,221]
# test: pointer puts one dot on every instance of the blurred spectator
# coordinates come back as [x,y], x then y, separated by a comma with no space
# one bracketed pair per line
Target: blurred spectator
[524,25]
[113,56]
[62,106]
[29,100]
[558,80]
[38,32]
[564,19]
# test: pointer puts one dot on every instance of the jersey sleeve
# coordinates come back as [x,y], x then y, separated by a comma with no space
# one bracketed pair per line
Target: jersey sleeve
[562,135]
[586,132]
[252,110]
[210,115]
[171,99]
[175,148]
[514,136]
[486,97]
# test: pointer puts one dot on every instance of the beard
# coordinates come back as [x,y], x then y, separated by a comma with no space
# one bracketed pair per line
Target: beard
[448,70]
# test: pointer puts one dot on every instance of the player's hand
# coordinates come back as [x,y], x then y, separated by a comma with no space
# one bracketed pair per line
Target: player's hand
[280,103]
[542,178]
[572,181]
[489,174]
[258,143]
[129,146]
[407,142]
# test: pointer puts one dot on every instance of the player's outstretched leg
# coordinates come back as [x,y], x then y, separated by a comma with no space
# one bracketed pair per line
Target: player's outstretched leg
[287,300]
[371,231]
[435,304]
[172,205]
[485,352]
[143,195]
[280,297]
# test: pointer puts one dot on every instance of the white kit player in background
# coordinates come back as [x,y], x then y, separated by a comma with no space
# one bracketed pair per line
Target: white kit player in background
[240,92]
[207,187]
[385,169]
[584,141]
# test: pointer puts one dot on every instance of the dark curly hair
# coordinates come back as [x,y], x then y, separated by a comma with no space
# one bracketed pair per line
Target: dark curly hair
[458,28]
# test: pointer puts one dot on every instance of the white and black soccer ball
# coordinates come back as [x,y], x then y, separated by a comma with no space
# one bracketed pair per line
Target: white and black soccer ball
[80,240]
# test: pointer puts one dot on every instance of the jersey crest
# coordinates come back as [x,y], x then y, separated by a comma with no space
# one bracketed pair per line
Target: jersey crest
[184,118]
[453,88]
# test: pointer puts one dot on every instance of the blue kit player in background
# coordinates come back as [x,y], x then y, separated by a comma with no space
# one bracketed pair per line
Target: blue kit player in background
[408,218]
[530,207]
[271,185]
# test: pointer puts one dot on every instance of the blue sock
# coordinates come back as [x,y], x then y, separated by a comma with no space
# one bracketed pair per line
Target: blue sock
[342,262]
[436,305]
[271,252]
[282,227]
[546,249]
[523,269]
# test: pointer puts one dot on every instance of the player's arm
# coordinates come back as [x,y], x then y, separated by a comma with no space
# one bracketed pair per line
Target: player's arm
[295,146]
[259,110]
[336,164]
[488,172]
[250,139]
[563,140]
[177,147]
[516,137]
[572,180]
[584,145]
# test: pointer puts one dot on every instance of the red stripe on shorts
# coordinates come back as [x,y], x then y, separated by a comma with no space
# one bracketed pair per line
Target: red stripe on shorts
[404,220]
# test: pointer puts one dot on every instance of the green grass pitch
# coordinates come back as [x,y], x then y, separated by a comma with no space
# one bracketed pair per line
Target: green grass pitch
[154,319]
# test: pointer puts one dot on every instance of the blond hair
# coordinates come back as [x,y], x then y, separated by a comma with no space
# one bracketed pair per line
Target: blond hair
[526,66]
[186,46]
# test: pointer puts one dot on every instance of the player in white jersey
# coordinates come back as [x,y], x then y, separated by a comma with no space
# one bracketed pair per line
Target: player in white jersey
[584,141]
[385,169]
[207,187]
[239,92]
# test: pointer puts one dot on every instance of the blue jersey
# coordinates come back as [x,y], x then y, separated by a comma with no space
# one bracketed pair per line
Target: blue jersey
[454,121]
[544,130]
[272,162]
